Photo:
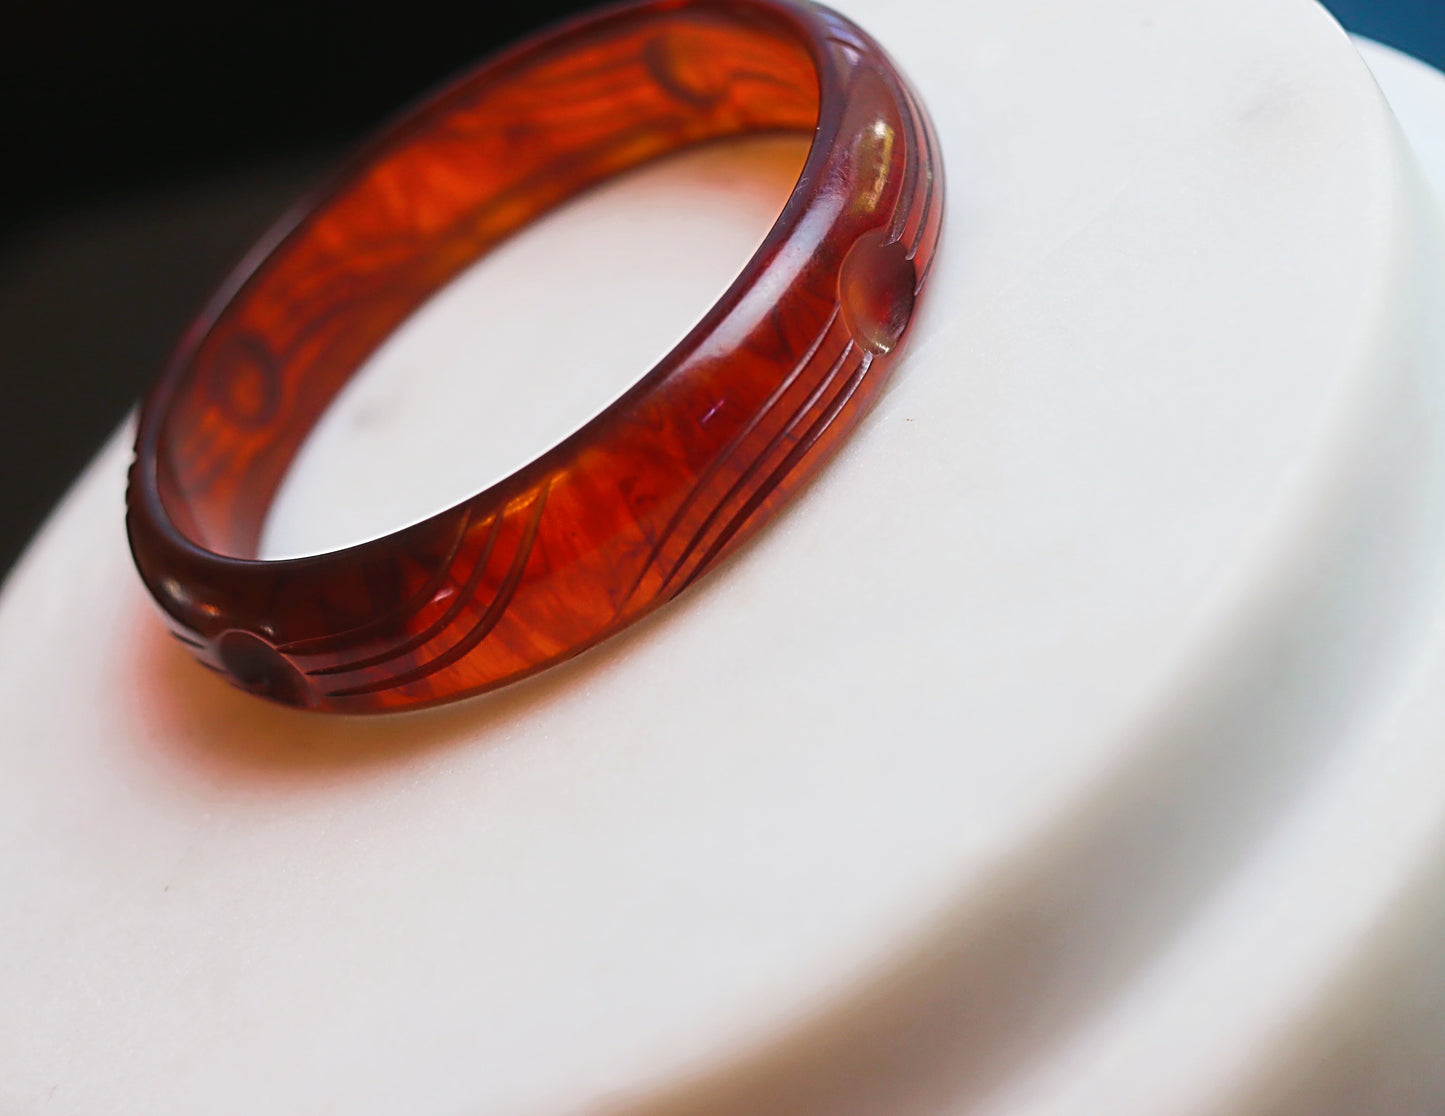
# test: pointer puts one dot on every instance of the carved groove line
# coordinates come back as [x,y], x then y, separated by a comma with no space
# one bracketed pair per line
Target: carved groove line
[726,454]
[438,626]
[920,126]
[757,463]
[908,191]
[484,626]
[305,648]
[786,466]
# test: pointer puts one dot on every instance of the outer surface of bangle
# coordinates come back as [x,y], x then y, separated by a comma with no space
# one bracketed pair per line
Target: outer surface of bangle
[641,501]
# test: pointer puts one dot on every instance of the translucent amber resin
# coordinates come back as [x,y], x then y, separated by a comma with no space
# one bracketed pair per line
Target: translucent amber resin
[647,497]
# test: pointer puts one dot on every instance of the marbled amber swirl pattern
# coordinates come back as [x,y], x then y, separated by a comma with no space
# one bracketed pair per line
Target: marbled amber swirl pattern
[636,505]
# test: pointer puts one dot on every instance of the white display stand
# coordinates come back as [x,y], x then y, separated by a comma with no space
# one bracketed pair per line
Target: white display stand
[1072,746]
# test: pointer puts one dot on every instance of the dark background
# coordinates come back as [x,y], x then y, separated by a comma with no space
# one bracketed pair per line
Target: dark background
[145,147]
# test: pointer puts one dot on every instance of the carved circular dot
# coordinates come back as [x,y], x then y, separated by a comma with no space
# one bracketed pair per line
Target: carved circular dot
[876,290]
[258,667]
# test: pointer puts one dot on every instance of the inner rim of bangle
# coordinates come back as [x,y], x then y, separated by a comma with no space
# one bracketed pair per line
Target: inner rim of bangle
[440,189]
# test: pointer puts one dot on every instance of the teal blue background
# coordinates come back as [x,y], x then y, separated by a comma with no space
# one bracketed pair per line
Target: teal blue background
[1415,26]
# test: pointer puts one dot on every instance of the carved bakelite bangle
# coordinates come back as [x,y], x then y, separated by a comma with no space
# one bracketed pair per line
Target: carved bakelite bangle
[637,504]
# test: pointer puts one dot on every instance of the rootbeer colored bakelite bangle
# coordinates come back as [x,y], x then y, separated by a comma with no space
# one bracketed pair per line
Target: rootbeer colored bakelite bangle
[637,504]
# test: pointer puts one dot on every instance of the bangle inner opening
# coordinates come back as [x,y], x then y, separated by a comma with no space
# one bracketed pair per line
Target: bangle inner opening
[440,190]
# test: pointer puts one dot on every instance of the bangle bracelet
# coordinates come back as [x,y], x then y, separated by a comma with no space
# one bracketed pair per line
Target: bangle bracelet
[635,505]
